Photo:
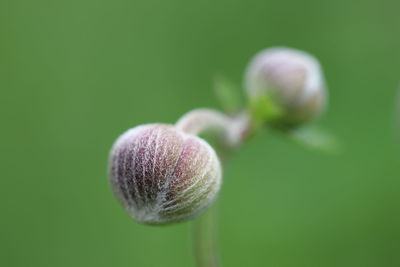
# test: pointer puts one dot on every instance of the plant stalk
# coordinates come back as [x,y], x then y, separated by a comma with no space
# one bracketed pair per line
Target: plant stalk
[232,130]
[204,239]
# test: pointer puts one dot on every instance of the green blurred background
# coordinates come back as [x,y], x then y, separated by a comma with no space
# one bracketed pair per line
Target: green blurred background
[76,74]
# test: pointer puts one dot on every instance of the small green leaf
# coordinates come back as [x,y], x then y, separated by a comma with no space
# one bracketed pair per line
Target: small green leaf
[263,111]
[263,107]
[228,94]
[314,138]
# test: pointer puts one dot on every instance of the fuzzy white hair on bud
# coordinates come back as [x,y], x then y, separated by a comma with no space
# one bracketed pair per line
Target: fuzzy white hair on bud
[163,175]
[291,79]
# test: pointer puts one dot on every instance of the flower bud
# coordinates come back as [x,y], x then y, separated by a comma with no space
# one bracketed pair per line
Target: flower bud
[291,79]
[162,175]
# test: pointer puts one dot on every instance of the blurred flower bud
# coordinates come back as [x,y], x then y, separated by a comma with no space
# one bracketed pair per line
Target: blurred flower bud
[291,80]
[162,175]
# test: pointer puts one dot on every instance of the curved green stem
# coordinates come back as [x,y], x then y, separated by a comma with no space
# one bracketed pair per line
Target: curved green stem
[232,129]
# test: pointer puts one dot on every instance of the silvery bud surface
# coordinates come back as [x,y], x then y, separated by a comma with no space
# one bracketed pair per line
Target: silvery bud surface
[291,79]
[162,175]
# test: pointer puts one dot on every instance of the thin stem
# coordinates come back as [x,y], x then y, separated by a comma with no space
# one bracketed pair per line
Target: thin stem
[232,129]
[204,239]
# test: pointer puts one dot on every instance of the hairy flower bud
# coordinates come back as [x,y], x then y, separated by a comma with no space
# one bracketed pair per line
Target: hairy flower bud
[162,175]
[291,79]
